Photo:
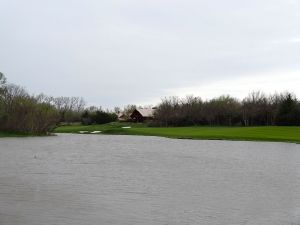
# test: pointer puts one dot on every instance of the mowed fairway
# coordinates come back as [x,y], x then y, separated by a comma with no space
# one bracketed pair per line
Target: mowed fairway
[270,133]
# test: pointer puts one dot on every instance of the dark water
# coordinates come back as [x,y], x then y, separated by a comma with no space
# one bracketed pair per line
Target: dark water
[120,180]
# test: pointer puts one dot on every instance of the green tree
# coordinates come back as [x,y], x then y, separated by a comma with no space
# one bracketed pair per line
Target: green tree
[289,111]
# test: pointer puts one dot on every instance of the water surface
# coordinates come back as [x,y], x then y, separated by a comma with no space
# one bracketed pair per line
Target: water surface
[120,180]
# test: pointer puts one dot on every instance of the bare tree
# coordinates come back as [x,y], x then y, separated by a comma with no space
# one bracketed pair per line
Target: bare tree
[2,79]
[24,113]
[255,109]
[70,108]
[128,109]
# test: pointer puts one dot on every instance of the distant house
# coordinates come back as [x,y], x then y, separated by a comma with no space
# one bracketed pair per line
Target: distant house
[140,115]
[121,116]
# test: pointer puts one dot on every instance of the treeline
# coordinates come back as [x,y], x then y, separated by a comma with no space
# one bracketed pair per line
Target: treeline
[24,113]
[39,114]
[257,109]
[94,115]
[69,109]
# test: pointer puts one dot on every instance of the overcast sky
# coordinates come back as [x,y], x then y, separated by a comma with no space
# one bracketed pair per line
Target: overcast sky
[117,52]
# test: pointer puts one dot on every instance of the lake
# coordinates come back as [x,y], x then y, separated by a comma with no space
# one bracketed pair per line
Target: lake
[119,180]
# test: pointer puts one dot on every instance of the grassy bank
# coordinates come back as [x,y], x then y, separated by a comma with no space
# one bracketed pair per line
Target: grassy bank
[11,134]
[282,134]
[16,134]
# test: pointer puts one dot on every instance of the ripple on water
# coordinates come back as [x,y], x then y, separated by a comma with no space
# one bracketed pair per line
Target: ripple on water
[102,179]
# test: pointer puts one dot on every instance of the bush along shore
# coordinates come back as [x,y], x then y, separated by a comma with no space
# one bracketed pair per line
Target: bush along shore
[22,114]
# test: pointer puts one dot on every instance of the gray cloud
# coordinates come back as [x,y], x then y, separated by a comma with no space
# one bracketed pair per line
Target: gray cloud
[119,52]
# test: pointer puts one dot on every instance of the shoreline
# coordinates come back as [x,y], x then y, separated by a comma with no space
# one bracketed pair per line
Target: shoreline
[263,133]
[189,138]
[259,134]
[22,135]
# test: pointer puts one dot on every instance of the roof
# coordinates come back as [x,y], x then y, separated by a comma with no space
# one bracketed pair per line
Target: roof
[120,115]
[146,112]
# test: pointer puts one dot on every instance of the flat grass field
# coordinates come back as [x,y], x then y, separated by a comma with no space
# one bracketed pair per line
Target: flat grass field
[263,133]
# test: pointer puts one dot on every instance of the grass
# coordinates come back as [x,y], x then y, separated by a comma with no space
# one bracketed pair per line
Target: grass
[115,126]
[18,134]
[263,133]
[12,134]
